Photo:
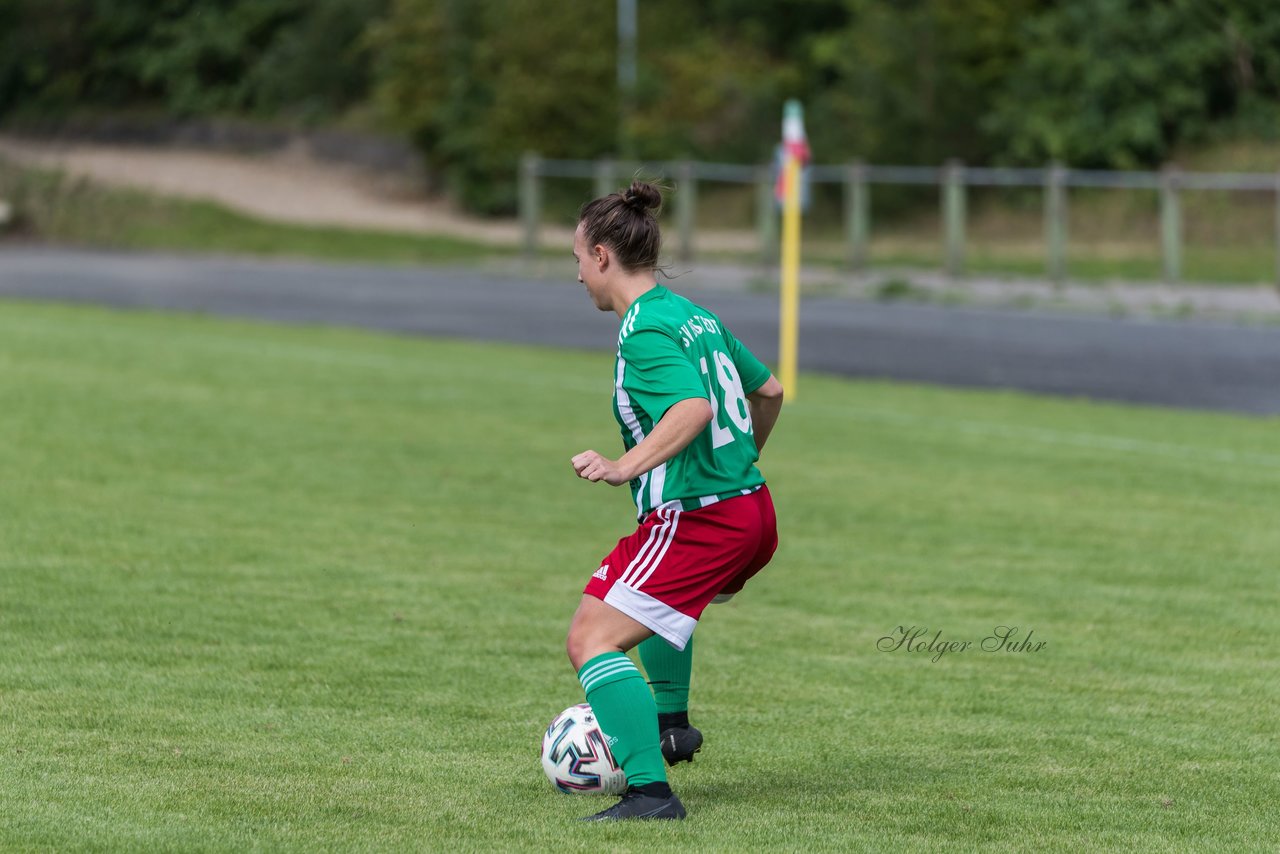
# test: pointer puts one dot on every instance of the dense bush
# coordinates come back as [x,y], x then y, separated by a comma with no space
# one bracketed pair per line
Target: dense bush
[185,57]
[1119,83]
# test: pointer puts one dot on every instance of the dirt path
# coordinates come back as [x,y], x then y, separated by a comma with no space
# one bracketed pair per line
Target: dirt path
[288,186]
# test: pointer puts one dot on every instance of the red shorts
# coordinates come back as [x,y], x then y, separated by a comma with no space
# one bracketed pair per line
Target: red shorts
[679,561]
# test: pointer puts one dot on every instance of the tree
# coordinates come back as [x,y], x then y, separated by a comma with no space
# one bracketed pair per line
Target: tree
[908,82]
[477,84]
[185,57]
[1113,83]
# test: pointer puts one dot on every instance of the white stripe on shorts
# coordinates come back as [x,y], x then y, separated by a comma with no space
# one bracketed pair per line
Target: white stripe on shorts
[654,541]
[652,564]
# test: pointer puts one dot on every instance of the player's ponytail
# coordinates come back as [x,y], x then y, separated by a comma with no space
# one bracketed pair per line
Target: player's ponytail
[626,222]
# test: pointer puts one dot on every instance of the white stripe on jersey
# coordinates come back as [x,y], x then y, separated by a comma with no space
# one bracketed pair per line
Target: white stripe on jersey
[628,322]
[624,403]
[644,480]
[650,545]
[657,480]
[632,423]
[656,559]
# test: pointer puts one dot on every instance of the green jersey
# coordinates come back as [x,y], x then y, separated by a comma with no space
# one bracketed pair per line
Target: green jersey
[669,350]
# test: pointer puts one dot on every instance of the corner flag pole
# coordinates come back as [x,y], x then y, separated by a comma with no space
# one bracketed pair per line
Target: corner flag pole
[790,310]
[795,152]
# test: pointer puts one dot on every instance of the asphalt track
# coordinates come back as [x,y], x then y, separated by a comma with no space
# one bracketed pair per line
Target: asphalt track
[1180,363]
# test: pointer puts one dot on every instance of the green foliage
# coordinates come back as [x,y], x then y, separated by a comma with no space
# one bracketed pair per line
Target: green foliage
[899,289]
[1251,82]
[477,84]
[204,58]
[1110,83]
[56,55]
[716,98]
[1120,83]
[322,64]
[905,81]
[890,81]
[187,57]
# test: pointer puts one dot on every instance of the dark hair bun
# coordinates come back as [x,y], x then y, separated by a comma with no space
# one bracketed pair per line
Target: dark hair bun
[642,196]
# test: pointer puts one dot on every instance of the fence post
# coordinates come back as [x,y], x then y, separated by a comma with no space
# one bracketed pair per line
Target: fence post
[766,216]
[686,208]
[857,213]
[604,177]
[953,213]
[530,201]
[1055,222]
[1170,224]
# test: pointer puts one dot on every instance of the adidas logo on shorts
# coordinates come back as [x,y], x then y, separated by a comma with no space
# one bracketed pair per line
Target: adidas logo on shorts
[602,573]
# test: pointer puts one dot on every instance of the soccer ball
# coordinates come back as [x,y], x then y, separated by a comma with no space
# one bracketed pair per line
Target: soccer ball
[576,756]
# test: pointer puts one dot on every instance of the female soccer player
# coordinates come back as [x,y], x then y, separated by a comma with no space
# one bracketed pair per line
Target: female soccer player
[695,408]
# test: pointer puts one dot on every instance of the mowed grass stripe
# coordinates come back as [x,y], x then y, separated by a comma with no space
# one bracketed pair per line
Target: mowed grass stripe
[303,588]
[219,343]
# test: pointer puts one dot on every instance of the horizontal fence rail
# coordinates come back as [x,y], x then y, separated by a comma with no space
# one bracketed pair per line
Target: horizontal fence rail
[951,179]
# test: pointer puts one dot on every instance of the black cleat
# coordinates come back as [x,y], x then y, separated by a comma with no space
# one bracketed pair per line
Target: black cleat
[680,743]
[637,805]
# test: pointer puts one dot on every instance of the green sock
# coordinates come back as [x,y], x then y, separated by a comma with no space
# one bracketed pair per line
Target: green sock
[622,703]
[669,673]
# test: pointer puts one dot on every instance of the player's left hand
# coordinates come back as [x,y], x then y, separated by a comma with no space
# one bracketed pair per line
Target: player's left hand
[591,466]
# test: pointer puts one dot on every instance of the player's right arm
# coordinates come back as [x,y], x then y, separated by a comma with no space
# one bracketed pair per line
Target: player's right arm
[672,434]
[766,405]
[765,398]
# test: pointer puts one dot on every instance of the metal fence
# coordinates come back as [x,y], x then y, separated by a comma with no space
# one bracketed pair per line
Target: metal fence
[952,181]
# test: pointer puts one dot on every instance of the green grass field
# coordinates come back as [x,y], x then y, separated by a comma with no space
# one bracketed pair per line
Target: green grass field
[306,589]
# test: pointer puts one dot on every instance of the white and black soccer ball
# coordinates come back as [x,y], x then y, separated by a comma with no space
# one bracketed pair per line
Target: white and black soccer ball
[576,755]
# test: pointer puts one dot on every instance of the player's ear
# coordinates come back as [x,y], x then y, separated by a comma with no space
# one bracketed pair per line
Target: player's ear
[600,253]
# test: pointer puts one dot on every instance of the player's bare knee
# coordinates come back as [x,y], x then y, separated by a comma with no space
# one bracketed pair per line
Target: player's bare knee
[585,642]
[577,647]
